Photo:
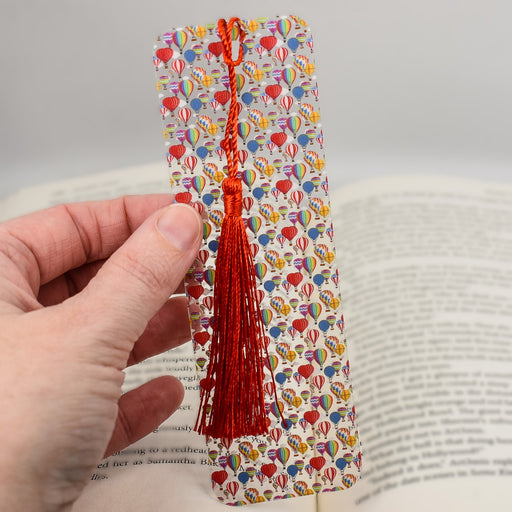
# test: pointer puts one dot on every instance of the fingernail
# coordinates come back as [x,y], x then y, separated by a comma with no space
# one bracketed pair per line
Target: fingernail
[180,224]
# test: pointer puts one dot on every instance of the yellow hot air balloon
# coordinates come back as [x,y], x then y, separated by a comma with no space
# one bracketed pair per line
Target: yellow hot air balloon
[324,210]
[213,129]
[274,217]
[319,164]
[285,310]
[329,257]
[280,263]
[269,170]
[258,74]
[264,123]
[252,25]
[291,357]
[335,303]
[200,31]
[345,395]
[297,401]
[207,81]
[351,441]
[340,349]
[314,117]
[309,69]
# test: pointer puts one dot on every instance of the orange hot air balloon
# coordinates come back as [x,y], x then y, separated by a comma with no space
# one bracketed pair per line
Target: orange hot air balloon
[280,263]
[351,441]
[254,454]
[303,448]
[297,401]
[291,356]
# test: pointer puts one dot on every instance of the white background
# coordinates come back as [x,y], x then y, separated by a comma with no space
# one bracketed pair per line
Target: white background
[405,86]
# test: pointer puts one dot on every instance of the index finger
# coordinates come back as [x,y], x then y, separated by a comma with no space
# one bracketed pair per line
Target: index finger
[44,245]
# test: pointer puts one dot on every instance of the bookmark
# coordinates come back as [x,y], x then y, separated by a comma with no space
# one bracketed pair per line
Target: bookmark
[244,144]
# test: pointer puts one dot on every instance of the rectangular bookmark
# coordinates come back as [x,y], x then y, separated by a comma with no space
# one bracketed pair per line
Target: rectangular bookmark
[239,103]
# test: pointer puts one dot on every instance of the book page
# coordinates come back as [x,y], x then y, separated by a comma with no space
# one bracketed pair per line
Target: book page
[141,179]
[426,274]
[167,470]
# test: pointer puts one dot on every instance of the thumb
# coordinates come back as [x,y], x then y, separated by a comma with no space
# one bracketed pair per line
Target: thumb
[140,276]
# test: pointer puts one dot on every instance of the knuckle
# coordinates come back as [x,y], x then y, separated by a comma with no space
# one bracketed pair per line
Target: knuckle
[148,273]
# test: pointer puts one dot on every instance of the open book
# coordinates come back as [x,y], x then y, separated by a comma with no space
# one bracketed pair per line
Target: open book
[426,281]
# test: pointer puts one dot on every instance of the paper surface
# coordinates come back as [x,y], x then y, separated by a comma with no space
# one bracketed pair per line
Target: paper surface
[168,469]
[427,281]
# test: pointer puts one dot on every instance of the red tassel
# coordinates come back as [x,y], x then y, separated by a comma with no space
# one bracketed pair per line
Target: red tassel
[232,396]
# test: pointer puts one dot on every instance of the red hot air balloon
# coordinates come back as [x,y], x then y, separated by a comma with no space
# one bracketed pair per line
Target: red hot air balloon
[330,474]
[281,480]
[232,487]
[291,150]
[191,162]
[308,289]
[268,469]
[286,102]
[273,90]
[281,53]
[170,103]
[219,477]
[178,66]
[247,203]
[268,42]
[177,151]
[184,114]
[242,156]
[313,335]
[311,417]
[164,54]
[302,243]
[297,196]
[208,302]
[279,138]
[203,256]
[318,381]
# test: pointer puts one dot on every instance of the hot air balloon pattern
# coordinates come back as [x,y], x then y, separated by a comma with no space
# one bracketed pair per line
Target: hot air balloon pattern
[313,442]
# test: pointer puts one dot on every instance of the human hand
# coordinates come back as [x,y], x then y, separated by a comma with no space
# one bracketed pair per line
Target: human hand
[81,297]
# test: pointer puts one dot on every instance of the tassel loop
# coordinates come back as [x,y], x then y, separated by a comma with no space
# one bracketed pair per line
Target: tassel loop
[225,32]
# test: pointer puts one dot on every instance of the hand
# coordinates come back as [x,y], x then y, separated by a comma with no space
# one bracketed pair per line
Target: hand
[84,292]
